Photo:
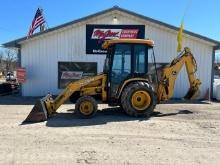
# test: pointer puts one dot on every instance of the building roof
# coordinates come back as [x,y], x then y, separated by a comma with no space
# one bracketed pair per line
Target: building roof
[15,43]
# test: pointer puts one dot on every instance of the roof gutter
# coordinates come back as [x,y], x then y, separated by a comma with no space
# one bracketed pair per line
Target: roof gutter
[12,44]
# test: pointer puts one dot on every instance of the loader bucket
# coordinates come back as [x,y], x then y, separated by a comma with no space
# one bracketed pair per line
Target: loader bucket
[38,113]
[192,94]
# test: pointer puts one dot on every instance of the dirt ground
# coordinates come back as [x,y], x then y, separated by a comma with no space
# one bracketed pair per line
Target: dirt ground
[177,133]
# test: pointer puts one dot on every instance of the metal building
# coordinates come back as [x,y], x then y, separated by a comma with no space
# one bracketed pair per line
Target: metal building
[44,54]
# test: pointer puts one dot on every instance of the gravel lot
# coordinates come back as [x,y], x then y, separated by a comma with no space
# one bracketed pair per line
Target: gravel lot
[177,133]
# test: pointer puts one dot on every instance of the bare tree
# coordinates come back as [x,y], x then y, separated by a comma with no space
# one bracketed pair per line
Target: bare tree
[10,59]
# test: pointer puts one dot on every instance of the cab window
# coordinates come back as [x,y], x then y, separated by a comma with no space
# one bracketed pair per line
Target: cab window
[140,59]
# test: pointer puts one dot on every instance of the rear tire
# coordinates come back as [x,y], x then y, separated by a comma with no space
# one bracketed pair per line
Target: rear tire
[138,99]
[86,107]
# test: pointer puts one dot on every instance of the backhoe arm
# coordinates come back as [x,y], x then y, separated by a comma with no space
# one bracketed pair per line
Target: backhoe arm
[170,72]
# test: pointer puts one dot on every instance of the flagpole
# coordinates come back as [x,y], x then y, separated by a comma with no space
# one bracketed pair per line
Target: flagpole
[181,29]
[187,8]
[47,27]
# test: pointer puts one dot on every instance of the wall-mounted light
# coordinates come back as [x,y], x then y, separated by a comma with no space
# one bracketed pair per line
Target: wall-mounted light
[115,20]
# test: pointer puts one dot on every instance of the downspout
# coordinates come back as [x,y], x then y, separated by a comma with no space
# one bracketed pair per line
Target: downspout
[213,69]
[19,64]
[19,56]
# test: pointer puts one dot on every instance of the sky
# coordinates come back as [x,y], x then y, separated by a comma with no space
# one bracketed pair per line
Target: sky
[201,16]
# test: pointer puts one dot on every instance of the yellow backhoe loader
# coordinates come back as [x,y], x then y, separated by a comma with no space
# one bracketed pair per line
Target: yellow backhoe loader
[128,80]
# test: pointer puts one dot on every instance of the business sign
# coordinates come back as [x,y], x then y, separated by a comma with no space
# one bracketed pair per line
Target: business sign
[21,75]
[97,34]
[71,75]
[72,71]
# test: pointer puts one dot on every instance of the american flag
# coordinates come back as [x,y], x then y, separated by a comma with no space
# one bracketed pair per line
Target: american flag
[37,21]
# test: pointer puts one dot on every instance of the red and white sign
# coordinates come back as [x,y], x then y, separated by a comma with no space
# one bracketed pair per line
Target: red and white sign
[114,34]
[66,75]
[21,75]
[96,34]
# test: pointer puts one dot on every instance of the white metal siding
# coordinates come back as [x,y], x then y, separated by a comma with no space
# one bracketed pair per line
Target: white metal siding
[40,56]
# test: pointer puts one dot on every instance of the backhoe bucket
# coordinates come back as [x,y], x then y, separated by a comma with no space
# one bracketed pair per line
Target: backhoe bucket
[192,94]
[38,113]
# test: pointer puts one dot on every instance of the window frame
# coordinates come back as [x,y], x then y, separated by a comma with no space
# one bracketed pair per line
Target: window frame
[113,55]
[133,57]
[145,58]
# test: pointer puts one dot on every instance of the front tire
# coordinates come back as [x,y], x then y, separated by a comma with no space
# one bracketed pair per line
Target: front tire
[138,99]
[86,107]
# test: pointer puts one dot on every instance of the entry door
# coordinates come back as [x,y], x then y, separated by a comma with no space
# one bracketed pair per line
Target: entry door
[121,67]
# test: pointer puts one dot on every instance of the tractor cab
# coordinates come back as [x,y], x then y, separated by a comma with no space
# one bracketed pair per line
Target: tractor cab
[126,61]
